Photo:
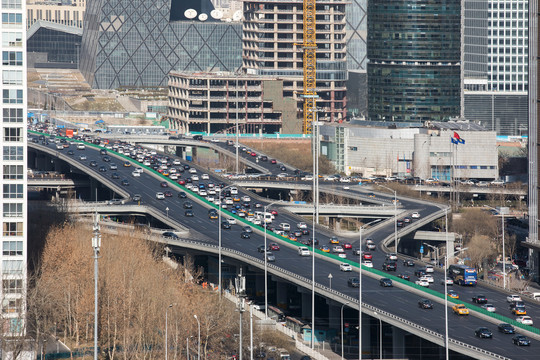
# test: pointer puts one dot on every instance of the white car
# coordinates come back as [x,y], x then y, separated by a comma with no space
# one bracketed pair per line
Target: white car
[160,196]
[234,191]
[246,198]
[136,174]
[525,320]
[342,255]
[139,169]
[285,226]
[370,244]
[367,263]
[210,198]
[421,282]
[302,225]
[205,177]
[392,256]
[427,278]
[192,170]
[415,215]
[203,192]
[194,178]
[448,281]
[429,269]
[173,177]
[338,249]
[231,221]
[81,147]
[512,298]
[489,307]
[345,267]
[303,251]
[345,180]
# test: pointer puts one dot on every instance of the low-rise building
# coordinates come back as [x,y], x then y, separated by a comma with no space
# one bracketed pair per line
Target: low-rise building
[213,102]
[442,150]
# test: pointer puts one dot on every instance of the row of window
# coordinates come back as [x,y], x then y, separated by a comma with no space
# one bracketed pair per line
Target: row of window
[12,267]
[11,4]
[12,248]
[11,19]
[13,153]
[12,115]
[12,77]
[12,172]
[12,210]
[13,134]
[12,39]
[12,96]
[12,58]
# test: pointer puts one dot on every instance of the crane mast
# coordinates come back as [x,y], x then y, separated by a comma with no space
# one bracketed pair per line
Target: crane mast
[309,65]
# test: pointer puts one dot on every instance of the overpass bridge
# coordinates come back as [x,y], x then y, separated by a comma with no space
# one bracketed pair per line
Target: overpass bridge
[289,262]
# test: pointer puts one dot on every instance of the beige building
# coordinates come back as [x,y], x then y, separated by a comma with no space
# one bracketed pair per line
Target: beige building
[213,102]
[70,15]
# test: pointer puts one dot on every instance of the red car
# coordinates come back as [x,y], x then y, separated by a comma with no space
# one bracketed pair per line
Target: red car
[347,246]
[274,247]
[181,182]
[367,256]
[273,161]
[253,154]
[164,184]
[273,212]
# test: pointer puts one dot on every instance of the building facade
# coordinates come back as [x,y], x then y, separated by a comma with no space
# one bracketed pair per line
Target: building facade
[273,33]
[69,13]
[496,64]
[14,168]
[60,43]
[216,102]
[414,75]
[127,44]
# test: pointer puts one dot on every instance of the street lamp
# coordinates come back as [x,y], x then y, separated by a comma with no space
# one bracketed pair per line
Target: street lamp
[380,333]
[96,244]
[395,214]
[342,342]
[166,329]
[502,211]
[199,338]
[219,238]
[446,287]
[265,260]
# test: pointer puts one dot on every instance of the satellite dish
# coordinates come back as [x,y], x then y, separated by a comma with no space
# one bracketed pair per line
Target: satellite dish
[190,13]
[203,17]
[237,16]
[216,14]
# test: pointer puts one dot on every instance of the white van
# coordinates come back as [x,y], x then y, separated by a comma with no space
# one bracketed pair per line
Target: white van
[536,296]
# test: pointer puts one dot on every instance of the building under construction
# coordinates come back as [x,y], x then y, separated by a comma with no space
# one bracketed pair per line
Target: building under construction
[273,45]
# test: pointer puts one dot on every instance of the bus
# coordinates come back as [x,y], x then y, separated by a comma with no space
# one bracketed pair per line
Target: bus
[463,275]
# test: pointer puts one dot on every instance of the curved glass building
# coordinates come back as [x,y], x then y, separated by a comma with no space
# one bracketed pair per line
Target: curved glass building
[414,52]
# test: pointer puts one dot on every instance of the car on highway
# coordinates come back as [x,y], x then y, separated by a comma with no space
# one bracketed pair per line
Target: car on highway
[415,215]
[428,278]
[425,304]
[420,272]
[225,225]
[113,166]
[182,195]
[303,251]
[125,182]
[345,267]
[102,169]
[429,269]
[160,196]
[389,266]
[423,283]
[480,299]
[506,328]
[261,249]
[525,320]
[170,234]
[391,257]
[460,309]
[512,298]
[127,164]
[212,214]
[245,235]
[93,163]
[347,246]
[135,174]
[385,282]
[337,249]
[353,282]
[367,263]
[518,310]
[168,193]
[301,225]
[163,184]
[370,245]
[452,294]
[521,340]
[325,249]
[367,256]
[409,263]
[489,307]
[274,247]
[115,176]
[483,333]
[82,157]
[189,213]
[136,198]
[285,226]
[404,277]
[334,240]
[448,281]
[232,221]
[187,205]
[247,229]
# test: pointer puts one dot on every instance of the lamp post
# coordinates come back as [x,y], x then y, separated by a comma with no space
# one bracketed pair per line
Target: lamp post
[502,210]
[380,333]
[240,285]
[446,287]
[236,124]
[166,330]
[395,214]
[266,260]
[342,342]
[199,338]
[96,244]
[187,348]
[219,238]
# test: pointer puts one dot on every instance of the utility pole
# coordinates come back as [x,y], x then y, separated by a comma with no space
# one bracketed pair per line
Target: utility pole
[96,244]
[240,285]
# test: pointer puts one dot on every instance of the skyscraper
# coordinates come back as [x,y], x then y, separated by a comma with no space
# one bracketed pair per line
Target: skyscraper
[414,52]
[14,244]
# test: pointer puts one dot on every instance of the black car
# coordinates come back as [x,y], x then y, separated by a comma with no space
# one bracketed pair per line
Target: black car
[399,223]
[93,163]
[170,234]
[483,332]
[182,195]
[260,249]
[197,137]
[103,152]
[385,282]
[102,169]
[136,197]
[404,277]
[408,263]
[506,328]
[247,229]
[70,152]
[115,176]
[188,205]
[106,158]
[357,251]
[113,166]
[389,266]
[164,184]
[480,299]
[125,182]
[420,272]
[521,340]
[188,213]
[225,225]
[245,235]
[425,304]
[353,282]
[298,233]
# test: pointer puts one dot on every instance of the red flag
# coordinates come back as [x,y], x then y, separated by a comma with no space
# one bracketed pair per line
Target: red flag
[456,136]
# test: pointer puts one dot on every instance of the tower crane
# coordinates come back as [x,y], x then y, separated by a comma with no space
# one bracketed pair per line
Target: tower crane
[309,64]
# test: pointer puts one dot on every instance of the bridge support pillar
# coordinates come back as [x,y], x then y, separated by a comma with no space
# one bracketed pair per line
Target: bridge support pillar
[259,285]
[306,305]
[281,295]
[398,343]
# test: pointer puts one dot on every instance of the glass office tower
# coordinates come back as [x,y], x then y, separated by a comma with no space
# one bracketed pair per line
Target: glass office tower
[414,52]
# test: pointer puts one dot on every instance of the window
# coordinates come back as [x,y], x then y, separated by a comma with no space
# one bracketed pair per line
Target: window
[10,306]
[11,19]
[12,210]
[12,286]
[12,115]
[11,4]
[13,153]
[12,39]
[12,77]
[12,96]
[12,266]
[13,172]
[12,58]
[13,229]
[12,248]
[13,191]
[12,134]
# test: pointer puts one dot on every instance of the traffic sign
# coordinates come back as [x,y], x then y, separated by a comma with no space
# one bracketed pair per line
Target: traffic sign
[421,249]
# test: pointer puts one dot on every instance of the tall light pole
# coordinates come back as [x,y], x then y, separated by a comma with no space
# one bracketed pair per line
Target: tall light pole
[265,260]
[446,287]
[502,210]
[96,244]
[219,238]
[395,214]
[187,348]
[314,138]
[342,342]
[380,333]
[166,330]
[237,123]
[199,338]
[240,285]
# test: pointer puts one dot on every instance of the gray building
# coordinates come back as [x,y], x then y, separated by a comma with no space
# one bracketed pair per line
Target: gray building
[136,44]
